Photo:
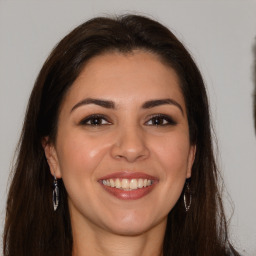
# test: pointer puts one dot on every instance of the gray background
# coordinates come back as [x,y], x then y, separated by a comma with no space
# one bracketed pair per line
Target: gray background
[219,34]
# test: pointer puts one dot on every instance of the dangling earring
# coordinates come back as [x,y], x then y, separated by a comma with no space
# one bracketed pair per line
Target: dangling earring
[55,194]
[187,202]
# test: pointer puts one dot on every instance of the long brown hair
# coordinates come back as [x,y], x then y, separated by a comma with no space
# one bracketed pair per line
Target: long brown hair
[32,227]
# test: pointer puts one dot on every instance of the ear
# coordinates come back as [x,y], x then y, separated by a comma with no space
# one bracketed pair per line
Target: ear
[52,157]
[191,158]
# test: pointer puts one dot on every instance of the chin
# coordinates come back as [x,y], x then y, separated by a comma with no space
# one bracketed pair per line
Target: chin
[135,226]
[129,230]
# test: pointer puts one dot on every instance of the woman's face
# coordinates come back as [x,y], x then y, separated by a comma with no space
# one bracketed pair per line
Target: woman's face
[122,146]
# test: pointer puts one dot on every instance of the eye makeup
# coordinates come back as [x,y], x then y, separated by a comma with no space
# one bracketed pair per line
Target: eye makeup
[160,120]
[95,120]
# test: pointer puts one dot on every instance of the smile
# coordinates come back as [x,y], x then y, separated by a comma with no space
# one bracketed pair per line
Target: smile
[127,184]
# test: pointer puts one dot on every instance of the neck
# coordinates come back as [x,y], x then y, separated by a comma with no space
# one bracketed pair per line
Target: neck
[91,240]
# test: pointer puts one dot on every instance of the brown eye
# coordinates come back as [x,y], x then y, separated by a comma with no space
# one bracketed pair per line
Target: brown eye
[160,120]
[95,120]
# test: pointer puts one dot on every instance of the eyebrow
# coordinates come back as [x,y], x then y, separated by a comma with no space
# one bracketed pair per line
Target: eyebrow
[102,103]
[111,105]
[156,103]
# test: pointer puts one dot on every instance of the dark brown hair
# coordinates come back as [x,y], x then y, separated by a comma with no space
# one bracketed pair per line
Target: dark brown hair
[32,228]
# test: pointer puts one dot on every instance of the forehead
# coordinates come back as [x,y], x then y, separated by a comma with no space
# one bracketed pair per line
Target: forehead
[117,76]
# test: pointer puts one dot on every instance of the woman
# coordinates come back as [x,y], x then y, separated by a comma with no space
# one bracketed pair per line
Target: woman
[116,156]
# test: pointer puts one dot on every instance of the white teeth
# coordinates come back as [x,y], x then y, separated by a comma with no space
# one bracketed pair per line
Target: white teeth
[140,183]
[112,183]
[127,184]
[133,184]
[118,183]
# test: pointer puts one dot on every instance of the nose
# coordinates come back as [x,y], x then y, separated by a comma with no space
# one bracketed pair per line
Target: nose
[130,145]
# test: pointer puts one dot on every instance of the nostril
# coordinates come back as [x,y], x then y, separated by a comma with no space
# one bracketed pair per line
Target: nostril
[130,155]
[129,145]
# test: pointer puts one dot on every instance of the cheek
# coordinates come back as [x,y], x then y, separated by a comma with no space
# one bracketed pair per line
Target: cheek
[79,160]
[173,153]
[80,156]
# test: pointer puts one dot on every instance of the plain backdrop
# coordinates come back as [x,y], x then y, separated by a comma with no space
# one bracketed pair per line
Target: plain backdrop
[219,34]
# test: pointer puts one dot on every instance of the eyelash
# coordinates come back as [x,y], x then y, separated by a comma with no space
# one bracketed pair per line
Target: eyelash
[95,117]
[156,120]
[165,120]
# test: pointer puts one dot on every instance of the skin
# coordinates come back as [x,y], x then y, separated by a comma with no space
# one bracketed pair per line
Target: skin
[127,139]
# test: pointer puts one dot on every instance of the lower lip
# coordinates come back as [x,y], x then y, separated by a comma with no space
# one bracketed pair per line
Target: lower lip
[129,194]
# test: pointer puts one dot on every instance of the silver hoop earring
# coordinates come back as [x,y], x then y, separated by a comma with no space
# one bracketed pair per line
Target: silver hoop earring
[55,194]
[187,201]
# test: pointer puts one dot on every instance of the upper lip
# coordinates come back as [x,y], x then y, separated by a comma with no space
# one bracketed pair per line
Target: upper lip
[128,175]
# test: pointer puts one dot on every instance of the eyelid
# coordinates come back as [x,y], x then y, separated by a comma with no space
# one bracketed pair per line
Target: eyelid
[94,116]
[168,118]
